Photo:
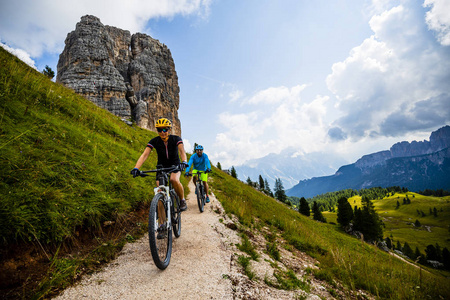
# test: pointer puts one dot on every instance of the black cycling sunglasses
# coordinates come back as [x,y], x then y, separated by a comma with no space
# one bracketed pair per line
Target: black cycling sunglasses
[162,129]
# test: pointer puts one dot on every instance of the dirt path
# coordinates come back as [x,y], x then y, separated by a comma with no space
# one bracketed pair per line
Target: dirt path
[198,268]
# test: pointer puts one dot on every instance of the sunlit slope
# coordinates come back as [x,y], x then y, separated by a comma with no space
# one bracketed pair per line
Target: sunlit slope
[342,258]
[64,162]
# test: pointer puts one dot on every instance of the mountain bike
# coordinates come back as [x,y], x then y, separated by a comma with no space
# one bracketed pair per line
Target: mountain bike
[200,190]
[164,216]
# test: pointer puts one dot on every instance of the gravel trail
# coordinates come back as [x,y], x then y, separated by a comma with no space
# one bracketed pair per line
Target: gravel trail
[198,268]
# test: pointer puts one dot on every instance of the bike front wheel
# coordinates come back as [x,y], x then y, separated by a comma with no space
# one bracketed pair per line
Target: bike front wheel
[198,189]
[176,214]
[160,237]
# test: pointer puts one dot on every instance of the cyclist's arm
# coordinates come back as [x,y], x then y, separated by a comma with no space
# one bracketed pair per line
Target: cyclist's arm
[182,152]
[208,162]
[143,157]
[190,163]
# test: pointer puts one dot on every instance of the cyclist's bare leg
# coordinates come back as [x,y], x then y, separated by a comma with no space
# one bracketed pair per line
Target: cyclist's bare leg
[175,180]
[206,187]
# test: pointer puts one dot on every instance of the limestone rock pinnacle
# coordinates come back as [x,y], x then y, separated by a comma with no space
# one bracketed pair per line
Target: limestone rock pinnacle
[129,75]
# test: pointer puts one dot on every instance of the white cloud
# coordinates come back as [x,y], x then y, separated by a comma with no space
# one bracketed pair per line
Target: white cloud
[438,19]
[382,85]
[21,54]
[42,26]
[235,95]
[280,120]
[274,95]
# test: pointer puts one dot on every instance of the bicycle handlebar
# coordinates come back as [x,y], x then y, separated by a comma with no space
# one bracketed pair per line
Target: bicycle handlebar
[166,170]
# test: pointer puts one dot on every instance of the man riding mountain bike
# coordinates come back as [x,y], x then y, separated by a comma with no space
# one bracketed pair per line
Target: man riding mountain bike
[167,147]
[201,162]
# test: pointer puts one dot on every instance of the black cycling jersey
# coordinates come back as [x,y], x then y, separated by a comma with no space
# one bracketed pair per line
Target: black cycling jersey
[167,154]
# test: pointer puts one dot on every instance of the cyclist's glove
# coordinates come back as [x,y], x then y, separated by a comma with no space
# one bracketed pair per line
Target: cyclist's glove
[208,171]
[186,174]
[135,172]
[183,166]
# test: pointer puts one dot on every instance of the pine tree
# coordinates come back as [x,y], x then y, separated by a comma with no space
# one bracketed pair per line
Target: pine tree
[388,242]
[233,172]
[417,223]
[219,166]
[279,191]
[261,183]
[371,222]
[357,219]
[267,187]
[48,72]
[304,207]
[407,250]
[317,214]
[431,253]
[249,181]
[345,212]
[399,246]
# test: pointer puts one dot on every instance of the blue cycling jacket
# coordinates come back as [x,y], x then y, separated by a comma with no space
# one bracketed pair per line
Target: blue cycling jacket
[200,163]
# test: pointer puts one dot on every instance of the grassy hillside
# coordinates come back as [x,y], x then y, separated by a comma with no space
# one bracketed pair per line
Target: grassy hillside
[399,221]
[64,162]
[342,258]
[64,173]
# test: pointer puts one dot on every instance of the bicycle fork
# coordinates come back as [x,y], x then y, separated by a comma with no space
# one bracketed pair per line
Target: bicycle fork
[165,191]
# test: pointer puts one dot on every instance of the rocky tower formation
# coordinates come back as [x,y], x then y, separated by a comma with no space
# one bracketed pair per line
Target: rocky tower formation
[129,75]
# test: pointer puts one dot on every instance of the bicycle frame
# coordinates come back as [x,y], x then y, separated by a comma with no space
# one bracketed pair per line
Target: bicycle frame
[201,188]
[164,188]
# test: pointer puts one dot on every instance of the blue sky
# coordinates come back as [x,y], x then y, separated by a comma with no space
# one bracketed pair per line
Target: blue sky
[344,77]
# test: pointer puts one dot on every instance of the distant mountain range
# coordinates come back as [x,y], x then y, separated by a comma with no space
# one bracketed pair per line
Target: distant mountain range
[289,166]
[416,166]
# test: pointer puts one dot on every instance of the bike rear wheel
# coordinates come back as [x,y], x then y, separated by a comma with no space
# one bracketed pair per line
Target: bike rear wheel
[160,237]
[176,214]
[198,188]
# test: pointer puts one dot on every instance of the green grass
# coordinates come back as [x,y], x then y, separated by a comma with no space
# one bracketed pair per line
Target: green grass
[64,162]
[64,165]
[399,222]
[357,265]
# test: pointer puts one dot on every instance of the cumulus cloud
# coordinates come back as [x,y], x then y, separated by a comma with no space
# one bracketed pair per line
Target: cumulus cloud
[42,26]
[21,54]
[274,95]
[438,19]
[279,118]
[386,81]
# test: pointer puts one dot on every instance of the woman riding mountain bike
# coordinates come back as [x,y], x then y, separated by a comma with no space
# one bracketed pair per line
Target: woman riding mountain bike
[200,162]
[167,147]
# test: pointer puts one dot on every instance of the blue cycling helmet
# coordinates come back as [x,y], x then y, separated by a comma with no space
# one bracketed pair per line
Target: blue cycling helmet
[198,147]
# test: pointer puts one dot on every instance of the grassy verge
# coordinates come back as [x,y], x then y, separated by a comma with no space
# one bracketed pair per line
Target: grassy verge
[355,264]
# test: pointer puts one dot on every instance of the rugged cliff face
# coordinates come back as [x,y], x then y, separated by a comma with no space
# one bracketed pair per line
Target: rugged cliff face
[129,75]
[439,139]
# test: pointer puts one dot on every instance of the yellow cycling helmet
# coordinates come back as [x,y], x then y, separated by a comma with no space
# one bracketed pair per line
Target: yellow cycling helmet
[163,122]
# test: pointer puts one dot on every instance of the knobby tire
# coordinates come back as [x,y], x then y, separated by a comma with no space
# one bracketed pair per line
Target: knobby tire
[161,249]
[200,202]
[176,213]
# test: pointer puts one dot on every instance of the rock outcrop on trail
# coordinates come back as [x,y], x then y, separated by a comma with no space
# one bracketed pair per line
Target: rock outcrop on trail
[129,75]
